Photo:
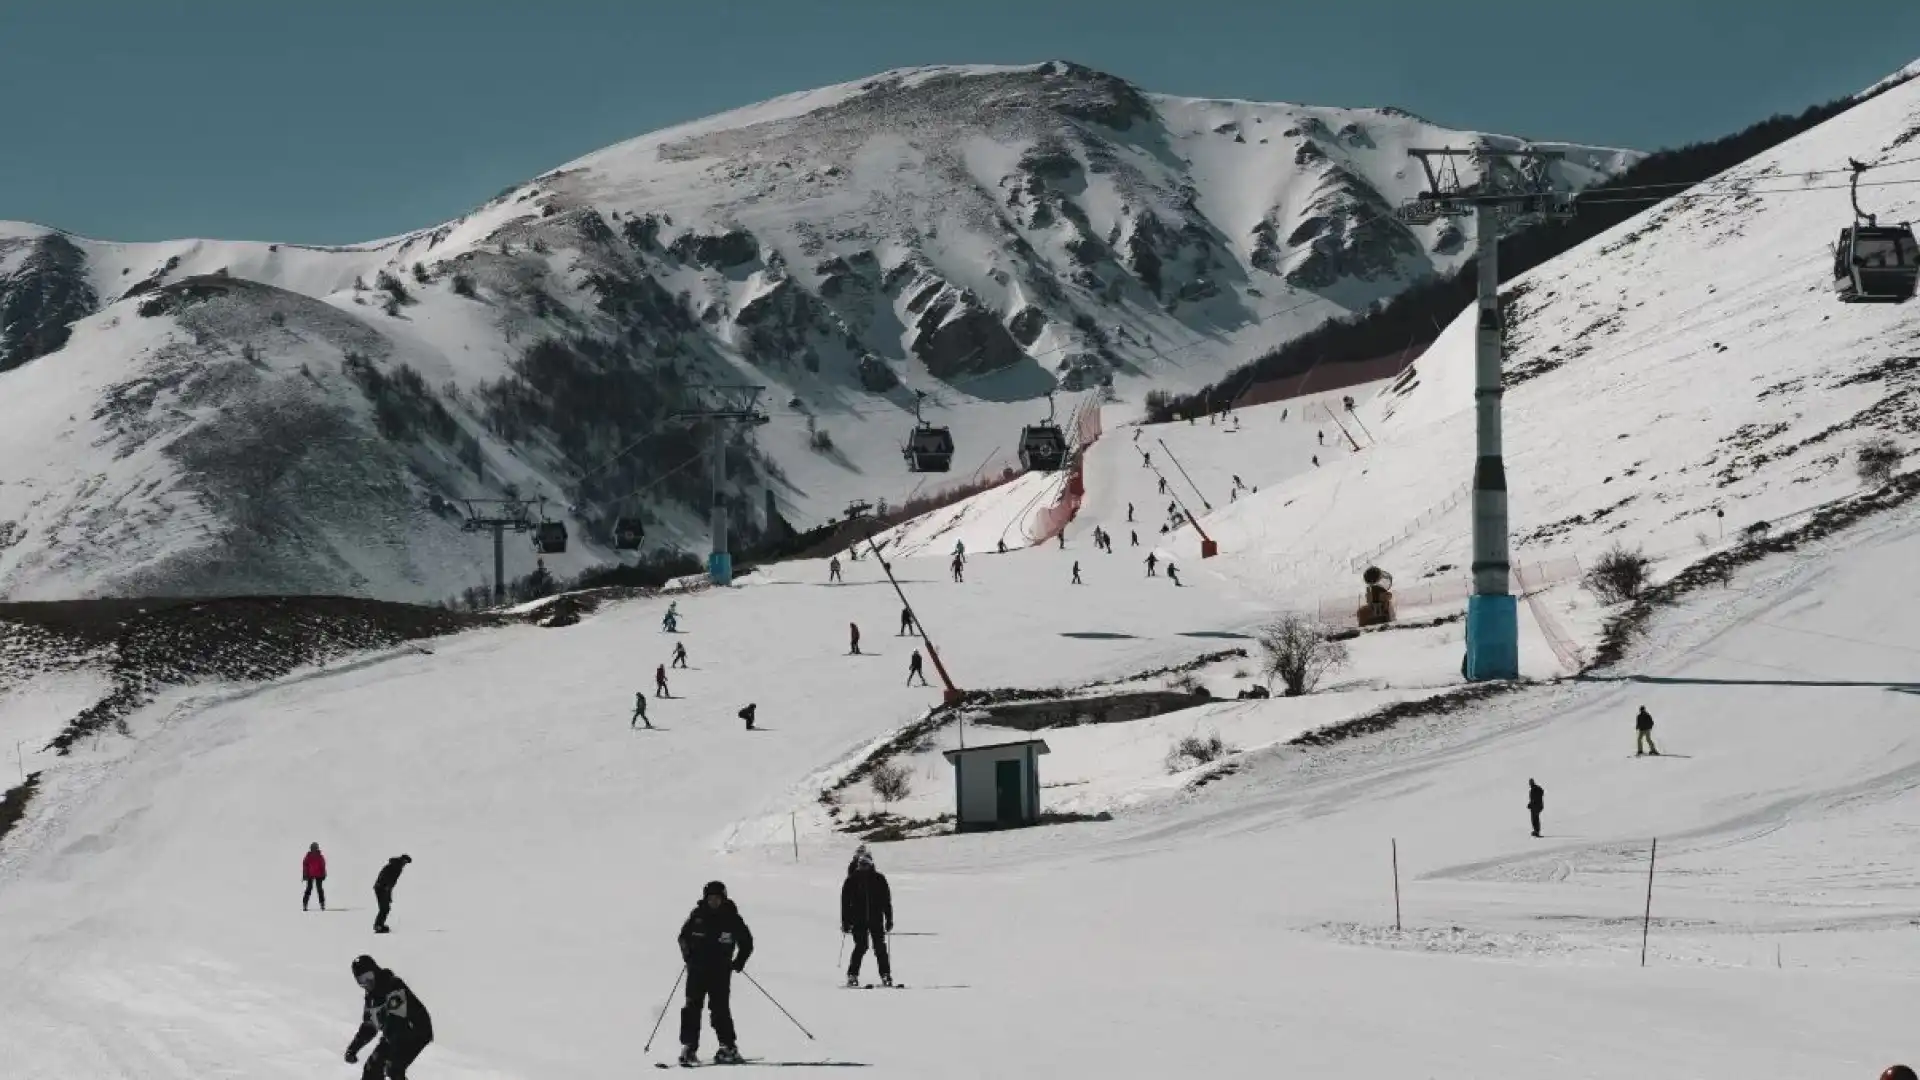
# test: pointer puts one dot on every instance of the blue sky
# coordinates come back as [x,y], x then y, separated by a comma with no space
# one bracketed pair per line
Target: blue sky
[349,120]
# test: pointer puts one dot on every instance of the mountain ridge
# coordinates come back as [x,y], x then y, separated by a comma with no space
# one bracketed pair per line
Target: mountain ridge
[985,235]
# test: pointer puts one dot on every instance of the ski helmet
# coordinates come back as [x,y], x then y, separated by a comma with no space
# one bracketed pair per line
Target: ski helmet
[1897,1072]
[714,888]
[364,965]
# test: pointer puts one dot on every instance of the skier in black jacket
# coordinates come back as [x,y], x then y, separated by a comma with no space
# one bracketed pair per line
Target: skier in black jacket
[383,889]
[715,943]
[1536,802]
[866,910]
[393,1012]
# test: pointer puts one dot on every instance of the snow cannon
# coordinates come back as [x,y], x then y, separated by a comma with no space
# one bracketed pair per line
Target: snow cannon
[1376,604]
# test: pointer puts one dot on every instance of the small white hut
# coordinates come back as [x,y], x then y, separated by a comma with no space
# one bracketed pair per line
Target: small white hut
[996,786]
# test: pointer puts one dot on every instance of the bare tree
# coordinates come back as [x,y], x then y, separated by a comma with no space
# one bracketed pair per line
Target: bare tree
[1876,459]
[891,781]
[1619,575]
[1299,653]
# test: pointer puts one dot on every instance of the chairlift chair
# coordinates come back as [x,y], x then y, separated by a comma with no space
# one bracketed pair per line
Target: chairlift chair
[550,537]
[627,534]
[1874,263]
[928,448]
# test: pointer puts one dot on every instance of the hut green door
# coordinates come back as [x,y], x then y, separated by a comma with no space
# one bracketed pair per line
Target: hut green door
[1006,792]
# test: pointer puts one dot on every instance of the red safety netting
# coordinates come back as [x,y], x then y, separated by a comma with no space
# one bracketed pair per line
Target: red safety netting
[1051,520]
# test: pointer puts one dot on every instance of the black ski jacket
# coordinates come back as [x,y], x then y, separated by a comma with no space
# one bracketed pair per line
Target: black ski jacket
[1644,721]
[1536,798]
[866,902]
[389,874]
[393,1012]
[715,938]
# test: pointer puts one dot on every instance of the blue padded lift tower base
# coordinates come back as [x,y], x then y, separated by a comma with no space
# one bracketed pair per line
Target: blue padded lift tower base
[1493,638]
[720,568]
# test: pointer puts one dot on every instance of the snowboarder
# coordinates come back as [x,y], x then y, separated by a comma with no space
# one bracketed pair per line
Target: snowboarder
[853,634]
[1129,512]
[1153,560]
[639,710]
[1643,741]
[660,682]
[914,670]
[866,912]
[392,1011]
[906,623]
[313,871]
[1076,573]
[1173,573]
[383,884]
[1134,537]
[747,714]
[1536,802]
[715,943]
[833,569]
[679,654]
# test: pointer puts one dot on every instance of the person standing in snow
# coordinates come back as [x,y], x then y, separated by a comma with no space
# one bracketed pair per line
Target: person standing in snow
[660,682]
[1129,512]
[639,711]
[715,943]
[833,569]
[1134,537]
[313,871]
[1173,574]
[1063,539]
[866,912]
[959,567]
[853,636]
[906,623]
[1163,485]
[1153,560]
[747,714]
[670,622]
[914,670]
[383,884]
[1536,802]
[1643,741]
[679,654]
[1076,572]
[392,1011]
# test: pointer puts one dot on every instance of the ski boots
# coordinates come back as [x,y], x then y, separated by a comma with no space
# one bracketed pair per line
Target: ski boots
[853,981]
[886,980]
[689,1056]
[727,1055]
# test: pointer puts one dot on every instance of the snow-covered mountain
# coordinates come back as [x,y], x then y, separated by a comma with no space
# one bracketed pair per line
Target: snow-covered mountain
[198,416]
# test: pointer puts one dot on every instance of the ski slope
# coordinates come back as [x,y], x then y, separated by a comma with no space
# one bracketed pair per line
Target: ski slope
[148,911]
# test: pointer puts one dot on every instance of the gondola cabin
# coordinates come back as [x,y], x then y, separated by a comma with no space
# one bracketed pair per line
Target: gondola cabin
[627,534]
[550,537]
[929,449]
[1876,264]
[1043,448]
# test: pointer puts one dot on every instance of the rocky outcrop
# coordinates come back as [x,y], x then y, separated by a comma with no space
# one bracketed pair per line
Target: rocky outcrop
[957,337]
[41,299]
[1351,233]
[735,247]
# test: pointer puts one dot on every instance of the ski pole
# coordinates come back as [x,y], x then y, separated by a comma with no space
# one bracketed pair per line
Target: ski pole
[663,1009]
[776,1004]
[843,951]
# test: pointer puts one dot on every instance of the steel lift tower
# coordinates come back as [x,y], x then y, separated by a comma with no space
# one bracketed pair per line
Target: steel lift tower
[1512,188]
[499,517]
[721,406]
